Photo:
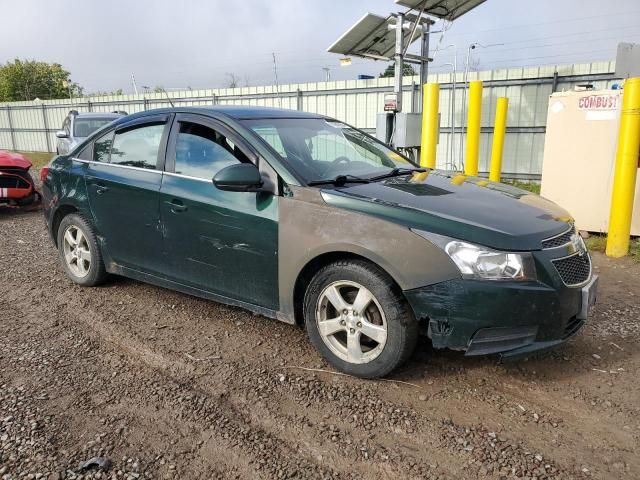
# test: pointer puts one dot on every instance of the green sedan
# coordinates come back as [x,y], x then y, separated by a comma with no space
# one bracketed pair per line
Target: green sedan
[305,219]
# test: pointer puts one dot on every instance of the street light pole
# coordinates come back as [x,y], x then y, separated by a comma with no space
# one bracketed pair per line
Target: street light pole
[454,82]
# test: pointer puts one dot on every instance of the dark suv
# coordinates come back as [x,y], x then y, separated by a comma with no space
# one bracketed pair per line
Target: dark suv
[302,218]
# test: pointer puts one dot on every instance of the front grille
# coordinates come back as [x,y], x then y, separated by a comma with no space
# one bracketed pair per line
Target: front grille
[573,270]
[573,325]
[558,241]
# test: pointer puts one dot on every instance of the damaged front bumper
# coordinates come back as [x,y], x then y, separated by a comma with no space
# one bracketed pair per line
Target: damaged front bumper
[513,319]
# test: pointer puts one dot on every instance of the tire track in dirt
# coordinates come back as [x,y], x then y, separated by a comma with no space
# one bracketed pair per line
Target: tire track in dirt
[346,400]
[269,389]
[274,457]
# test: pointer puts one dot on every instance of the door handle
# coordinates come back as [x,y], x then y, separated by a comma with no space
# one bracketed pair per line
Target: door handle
[100,188]
[176,206]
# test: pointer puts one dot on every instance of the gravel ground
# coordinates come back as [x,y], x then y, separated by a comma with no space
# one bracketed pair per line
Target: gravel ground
[165,385]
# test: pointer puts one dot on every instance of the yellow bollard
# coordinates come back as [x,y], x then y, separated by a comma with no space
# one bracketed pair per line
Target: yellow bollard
[499,131]
[429,141]
[473,128]
[624,180]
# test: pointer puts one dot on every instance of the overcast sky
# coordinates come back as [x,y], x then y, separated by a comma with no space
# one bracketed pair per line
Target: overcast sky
[197,43]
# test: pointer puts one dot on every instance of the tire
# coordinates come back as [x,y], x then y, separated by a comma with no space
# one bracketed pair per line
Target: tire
[87,273]
[386,310]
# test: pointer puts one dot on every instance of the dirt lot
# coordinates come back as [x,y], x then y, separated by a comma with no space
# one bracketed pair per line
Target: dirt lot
[170,386]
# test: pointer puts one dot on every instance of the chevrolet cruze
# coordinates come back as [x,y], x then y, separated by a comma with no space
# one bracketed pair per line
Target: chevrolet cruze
[302,218]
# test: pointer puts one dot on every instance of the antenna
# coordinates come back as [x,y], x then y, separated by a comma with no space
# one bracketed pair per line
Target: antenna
[162,89]
[168,98]
[275,74]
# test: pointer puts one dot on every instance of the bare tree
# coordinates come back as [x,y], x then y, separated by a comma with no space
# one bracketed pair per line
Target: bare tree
[232,80]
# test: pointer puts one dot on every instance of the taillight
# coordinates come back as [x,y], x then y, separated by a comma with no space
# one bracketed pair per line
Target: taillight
[43,174]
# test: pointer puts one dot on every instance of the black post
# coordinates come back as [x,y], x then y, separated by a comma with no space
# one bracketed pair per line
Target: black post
[299,100]
[11,131]
[46,127]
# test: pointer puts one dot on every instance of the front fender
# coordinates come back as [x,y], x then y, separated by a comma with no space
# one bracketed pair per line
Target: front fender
[309,228]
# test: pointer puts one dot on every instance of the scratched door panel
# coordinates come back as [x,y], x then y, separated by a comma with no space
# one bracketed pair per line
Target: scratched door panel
[223,242]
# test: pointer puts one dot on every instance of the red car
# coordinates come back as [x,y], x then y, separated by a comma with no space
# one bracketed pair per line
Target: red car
[17,187]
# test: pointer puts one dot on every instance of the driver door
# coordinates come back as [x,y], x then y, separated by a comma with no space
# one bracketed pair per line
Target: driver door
[219,241]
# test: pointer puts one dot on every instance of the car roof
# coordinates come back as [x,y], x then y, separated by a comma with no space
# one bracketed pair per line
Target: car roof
[97,115]
[236,112]
[245,112]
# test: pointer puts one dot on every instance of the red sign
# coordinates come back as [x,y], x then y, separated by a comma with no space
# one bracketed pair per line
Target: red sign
[599,102]
[390,102]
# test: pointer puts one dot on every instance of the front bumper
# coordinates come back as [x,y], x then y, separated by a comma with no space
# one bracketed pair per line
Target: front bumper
[513,319]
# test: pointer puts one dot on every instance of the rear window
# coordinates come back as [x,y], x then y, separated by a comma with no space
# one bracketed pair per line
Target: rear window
[83,127]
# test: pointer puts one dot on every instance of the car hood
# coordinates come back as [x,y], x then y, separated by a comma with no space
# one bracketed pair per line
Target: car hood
[467,208]
[13,160]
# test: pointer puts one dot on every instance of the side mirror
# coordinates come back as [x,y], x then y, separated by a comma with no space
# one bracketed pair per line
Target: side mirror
[240,177]
[61,134]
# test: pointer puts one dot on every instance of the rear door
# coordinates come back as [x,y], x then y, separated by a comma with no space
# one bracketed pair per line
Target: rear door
[123,184]
[222,242]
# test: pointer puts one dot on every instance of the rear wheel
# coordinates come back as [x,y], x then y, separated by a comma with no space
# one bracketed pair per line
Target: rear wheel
[358,320]
[79,251]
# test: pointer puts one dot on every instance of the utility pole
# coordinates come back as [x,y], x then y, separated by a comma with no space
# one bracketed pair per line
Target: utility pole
[327,74]
[275,74]
[399,60]
[133,82]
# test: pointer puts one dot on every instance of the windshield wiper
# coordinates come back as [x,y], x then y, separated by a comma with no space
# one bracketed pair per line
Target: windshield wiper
[396,172]
[339,181]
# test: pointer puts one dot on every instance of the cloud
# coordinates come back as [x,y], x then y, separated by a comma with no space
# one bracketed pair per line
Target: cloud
[196,43]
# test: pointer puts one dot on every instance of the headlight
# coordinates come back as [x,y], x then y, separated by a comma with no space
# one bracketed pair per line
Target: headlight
[478,262]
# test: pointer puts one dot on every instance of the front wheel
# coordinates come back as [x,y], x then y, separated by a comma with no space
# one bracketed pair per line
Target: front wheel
[358,320]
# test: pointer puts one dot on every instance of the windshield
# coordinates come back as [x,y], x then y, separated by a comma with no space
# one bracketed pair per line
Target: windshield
[83,127]
[319,149]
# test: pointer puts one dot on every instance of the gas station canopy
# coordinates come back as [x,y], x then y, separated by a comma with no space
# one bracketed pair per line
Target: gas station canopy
[447,9]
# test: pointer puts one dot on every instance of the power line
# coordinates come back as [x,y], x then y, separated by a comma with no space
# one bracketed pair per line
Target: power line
[563,21]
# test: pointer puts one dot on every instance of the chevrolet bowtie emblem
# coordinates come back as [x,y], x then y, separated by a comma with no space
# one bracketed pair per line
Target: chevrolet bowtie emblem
[577,245]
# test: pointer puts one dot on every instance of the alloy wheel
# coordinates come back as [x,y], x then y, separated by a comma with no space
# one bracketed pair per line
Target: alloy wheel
[77,254]
[351,322]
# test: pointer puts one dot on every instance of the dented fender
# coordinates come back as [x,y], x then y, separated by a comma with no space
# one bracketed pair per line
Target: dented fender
[309,228]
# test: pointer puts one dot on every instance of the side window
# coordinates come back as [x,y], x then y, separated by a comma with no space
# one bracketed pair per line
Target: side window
[102,148]
[138,146]
[202,152]
[86,153]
